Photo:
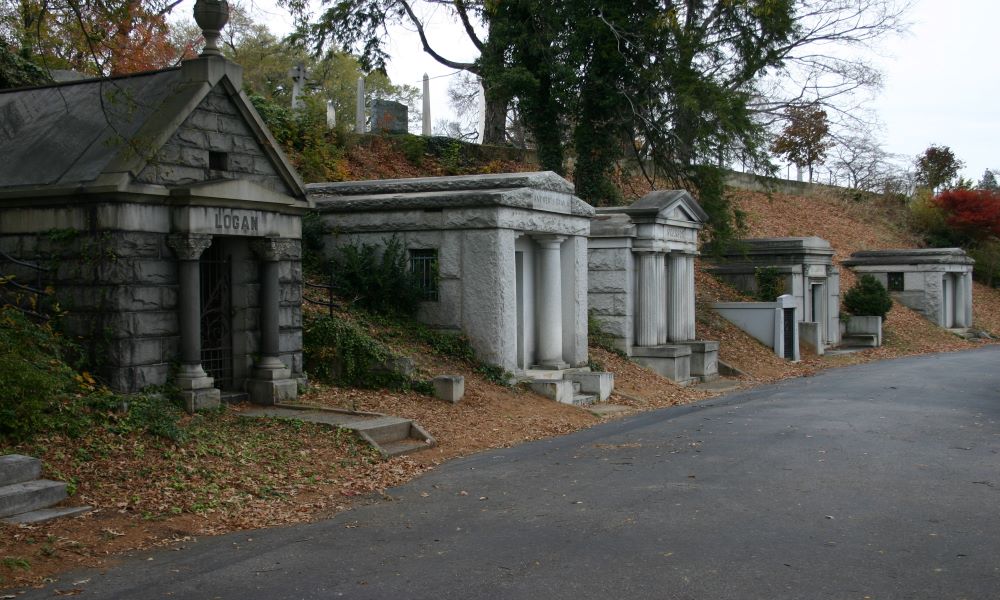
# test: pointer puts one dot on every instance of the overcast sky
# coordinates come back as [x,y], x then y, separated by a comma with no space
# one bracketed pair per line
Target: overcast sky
[942,84]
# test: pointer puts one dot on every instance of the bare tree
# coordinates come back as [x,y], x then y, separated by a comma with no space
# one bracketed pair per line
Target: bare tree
[828,60]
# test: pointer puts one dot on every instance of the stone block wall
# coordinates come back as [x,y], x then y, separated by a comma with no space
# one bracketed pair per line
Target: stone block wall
[609,286]
[119,292]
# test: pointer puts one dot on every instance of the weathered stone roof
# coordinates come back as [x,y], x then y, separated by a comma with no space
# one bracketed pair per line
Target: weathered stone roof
[544,191]
[909,256]
[778,245]
[98,134]
[612,225]
[662,204]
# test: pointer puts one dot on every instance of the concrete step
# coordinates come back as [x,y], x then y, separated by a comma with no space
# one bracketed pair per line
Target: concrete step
[23,497]
[386,429]
[46,514]
[858,340]
[400,447]
[583,399]
[18,468]
[378,430]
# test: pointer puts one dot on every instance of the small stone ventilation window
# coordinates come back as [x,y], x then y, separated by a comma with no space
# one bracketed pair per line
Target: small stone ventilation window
[424,265]
[218,161]
[895,282]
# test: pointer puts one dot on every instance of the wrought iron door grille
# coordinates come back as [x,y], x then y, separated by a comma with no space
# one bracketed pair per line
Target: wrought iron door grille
[423,264]
[216,316]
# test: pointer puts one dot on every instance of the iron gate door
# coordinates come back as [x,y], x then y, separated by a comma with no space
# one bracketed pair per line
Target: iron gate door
[216,315]
[789,314]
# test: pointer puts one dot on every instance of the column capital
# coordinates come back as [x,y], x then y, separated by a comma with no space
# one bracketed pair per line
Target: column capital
[273,248]
[549,240]
[189,246]
[648,251]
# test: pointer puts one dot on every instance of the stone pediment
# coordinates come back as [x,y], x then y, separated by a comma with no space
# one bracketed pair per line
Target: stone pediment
[675,206]
[245,191]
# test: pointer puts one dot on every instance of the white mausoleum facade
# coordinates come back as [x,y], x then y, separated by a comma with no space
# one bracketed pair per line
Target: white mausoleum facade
[936,282]
[641,287]
[509,253]
[809,274]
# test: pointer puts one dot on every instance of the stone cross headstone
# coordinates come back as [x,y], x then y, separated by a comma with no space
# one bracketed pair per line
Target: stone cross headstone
[331,114]
[359,111]
[427,106]
[298,74]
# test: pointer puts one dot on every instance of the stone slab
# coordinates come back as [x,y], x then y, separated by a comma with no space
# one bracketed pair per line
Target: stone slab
[30,495]
[598,383]
[18,468]
[47,514]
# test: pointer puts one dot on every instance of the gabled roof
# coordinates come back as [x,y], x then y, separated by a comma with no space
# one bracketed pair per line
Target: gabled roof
[676,205]
[98,134]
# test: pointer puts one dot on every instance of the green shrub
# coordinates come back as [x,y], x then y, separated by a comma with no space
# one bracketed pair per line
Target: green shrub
[40,392]
[35,380]
[770,283]
[868,297]
[377,279]
[338,351]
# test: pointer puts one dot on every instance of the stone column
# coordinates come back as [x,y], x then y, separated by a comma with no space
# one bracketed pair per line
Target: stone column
[359,109]
[967,281]
[271,380]
[197,388]
[677,310]
[426,112]
[549,306]
[689,298]
[663,284]
[648,319]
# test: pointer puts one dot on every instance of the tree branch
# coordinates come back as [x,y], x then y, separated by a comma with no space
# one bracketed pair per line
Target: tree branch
[470,67]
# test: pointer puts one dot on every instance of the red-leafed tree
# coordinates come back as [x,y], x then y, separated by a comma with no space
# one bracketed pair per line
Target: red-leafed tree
[975,214]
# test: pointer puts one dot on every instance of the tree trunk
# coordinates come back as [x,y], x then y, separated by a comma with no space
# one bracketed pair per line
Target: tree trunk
[495,128]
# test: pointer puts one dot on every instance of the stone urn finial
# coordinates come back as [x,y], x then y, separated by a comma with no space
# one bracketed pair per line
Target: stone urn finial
[211,16]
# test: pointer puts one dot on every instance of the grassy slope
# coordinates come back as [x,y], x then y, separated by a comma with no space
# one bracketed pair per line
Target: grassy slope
[234,476]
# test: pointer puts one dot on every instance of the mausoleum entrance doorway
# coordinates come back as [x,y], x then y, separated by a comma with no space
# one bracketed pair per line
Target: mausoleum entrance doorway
[217,315]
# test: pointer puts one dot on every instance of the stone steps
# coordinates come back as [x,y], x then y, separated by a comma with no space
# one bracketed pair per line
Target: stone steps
[24,497]
[579,387]
[390,436]
[859,340]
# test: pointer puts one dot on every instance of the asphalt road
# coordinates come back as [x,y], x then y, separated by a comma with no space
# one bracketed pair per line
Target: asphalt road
[877,481]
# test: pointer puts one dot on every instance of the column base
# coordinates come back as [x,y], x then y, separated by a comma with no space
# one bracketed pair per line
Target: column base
[201,399]
[272,391]
[551,366]
[672,362]
[704,359]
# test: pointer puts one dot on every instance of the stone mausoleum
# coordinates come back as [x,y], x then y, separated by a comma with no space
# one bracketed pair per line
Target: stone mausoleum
[168,222]
[809,274]
[502,258]
[936,282]
[641,283]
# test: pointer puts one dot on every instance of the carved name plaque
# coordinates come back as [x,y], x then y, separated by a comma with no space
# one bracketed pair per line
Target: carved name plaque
[237,221]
